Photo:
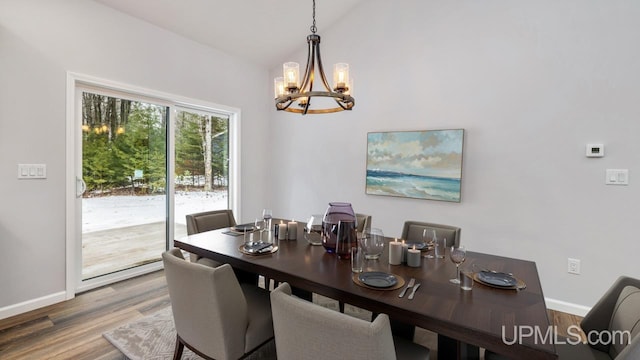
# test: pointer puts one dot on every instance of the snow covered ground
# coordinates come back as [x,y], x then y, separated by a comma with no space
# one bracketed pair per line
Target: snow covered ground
[102,213]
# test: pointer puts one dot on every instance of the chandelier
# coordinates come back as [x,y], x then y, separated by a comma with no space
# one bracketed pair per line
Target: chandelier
[295,96]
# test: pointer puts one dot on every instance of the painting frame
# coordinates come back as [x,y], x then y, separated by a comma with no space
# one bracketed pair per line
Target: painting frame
[416,164]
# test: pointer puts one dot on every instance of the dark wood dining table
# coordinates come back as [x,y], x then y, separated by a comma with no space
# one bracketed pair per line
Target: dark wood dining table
[485,317]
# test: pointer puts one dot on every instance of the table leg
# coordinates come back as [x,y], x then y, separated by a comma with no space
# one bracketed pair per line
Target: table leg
[449,349]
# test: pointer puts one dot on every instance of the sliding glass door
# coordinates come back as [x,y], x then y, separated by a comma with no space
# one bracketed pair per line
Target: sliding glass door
[141,162]
[124,169]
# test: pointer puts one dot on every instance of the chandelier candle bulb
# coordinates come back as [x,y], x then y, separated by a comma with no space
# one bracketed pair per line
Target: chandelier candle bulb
[413,257]
[340,76]
[292,230]
[395,252]
[291,75]
[278,86]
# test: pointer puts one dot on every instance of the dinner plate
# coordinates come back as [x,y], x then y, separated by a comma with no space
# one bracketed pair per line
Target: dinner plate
[378,279]
[497,279]
[258,250]
[244,227]
[418,245]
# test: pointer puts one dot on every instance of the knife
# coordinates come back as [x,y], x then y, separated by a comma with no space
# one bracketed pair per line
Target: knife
[411,282]
[413,292]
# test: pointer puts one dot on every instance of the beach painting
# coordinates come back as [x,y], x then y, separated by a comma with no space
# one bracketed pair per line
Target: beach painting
[415,164]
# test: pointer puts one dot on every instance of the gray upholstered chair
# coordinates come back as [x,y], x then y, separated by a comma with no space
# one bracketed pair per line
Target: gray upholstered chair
[304,330]
[210,220]
[213,220]
[412,231]
[215,315]
[616,312]
[207,221]
[363,221]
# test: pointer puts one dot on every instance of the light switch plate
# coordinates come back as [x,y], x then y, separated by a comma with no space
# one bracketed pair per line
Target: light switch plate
[617,177]
[32,171]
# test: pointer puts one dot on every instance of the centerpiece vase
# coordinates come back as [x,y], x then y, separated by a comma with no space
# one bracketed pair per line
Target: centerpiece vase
[336,212]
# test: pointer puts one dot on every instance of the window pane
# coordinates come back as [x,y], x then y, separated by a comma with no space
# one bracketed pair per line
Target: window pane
[201,165]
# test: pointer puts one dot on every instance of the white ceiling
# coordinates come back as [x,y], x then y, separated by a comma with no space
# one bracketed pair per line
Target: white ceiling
[261,31]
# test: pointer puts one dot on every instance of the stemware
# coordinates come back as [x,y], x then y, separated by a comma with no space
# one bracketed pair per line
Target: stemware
[429,238]
[457,255]
[267,215]
[372,242]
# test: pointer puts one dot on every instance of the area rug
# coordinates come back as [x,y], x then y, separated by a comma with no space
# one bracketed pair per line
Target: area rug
[153,337]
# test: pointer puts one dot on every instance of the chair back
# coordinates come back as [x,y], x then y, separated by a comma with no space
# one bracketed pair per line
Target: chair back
[210,220]
[363,222]
[209,308]
[304,330]
[412,231]
[619,305]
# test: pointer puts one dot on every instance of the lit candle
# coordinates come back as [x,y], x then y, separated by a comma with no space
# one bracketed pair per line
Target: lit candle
[413,257]
[405,247]
[282,231]
[395,252]
[292,230]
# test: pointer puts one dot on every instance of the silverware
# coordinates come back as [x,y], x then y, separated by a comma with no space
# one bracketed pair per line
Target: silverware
[411,282]
[413,292]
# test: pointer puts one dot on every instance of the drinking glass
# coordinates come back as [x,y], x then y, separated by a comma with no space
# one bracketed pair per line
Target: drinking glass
[457,255]
[429,238]
[466,280]
[267,215]
[357,259]
[259,223]
[372,243]
[313,230]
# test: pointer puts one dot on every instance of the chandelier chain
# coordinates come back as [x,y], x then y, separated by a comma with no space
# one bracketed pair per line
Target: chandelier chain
[313,27]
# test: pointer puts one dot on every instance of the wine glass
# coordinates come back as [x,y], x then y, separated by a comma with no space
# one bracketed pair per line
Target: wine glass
[372,242]
[267,215]
[259,223]
[457,255]
[429,238]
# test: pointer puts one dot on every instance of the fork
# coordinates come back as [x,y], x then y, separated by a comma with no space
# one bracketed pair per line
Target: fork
[411,282]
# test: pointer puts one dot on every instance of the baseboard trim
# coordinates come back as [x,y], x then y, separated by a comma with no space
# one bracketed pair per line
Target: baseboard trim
[33,304]
[567,307]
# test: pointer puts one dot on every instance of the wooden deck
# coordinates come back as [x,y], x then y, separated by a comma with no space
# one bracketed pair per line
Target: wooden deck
[108,251]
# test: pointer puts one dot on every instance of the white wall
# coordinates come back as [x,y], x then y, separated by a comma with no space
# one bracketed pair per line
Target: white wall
[531,83]
[39,42]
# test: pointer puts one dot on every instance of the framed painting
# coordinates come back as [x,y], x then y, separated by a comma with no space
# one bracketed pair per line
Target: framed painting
[415,164]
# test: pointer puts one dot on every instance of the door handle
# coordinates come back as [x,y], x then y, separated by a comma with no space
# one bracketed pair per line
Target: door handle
[82,187]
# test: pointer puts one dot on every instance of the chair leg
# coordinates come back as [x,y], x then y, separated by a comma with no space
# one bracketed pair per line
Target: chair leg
[177,354]
[341,306]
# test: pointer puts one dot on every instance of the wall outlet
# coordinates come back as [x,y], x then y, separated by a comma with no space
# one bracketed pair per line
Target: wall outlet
[573,266]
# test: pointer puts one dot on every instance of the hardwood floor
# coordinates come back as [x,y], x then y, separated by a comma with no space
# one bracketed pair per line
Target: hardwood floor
[73,329]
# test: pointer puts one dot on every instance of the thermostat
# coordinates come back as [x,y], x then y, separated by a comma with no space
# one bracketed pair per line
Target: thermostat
[595,150]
